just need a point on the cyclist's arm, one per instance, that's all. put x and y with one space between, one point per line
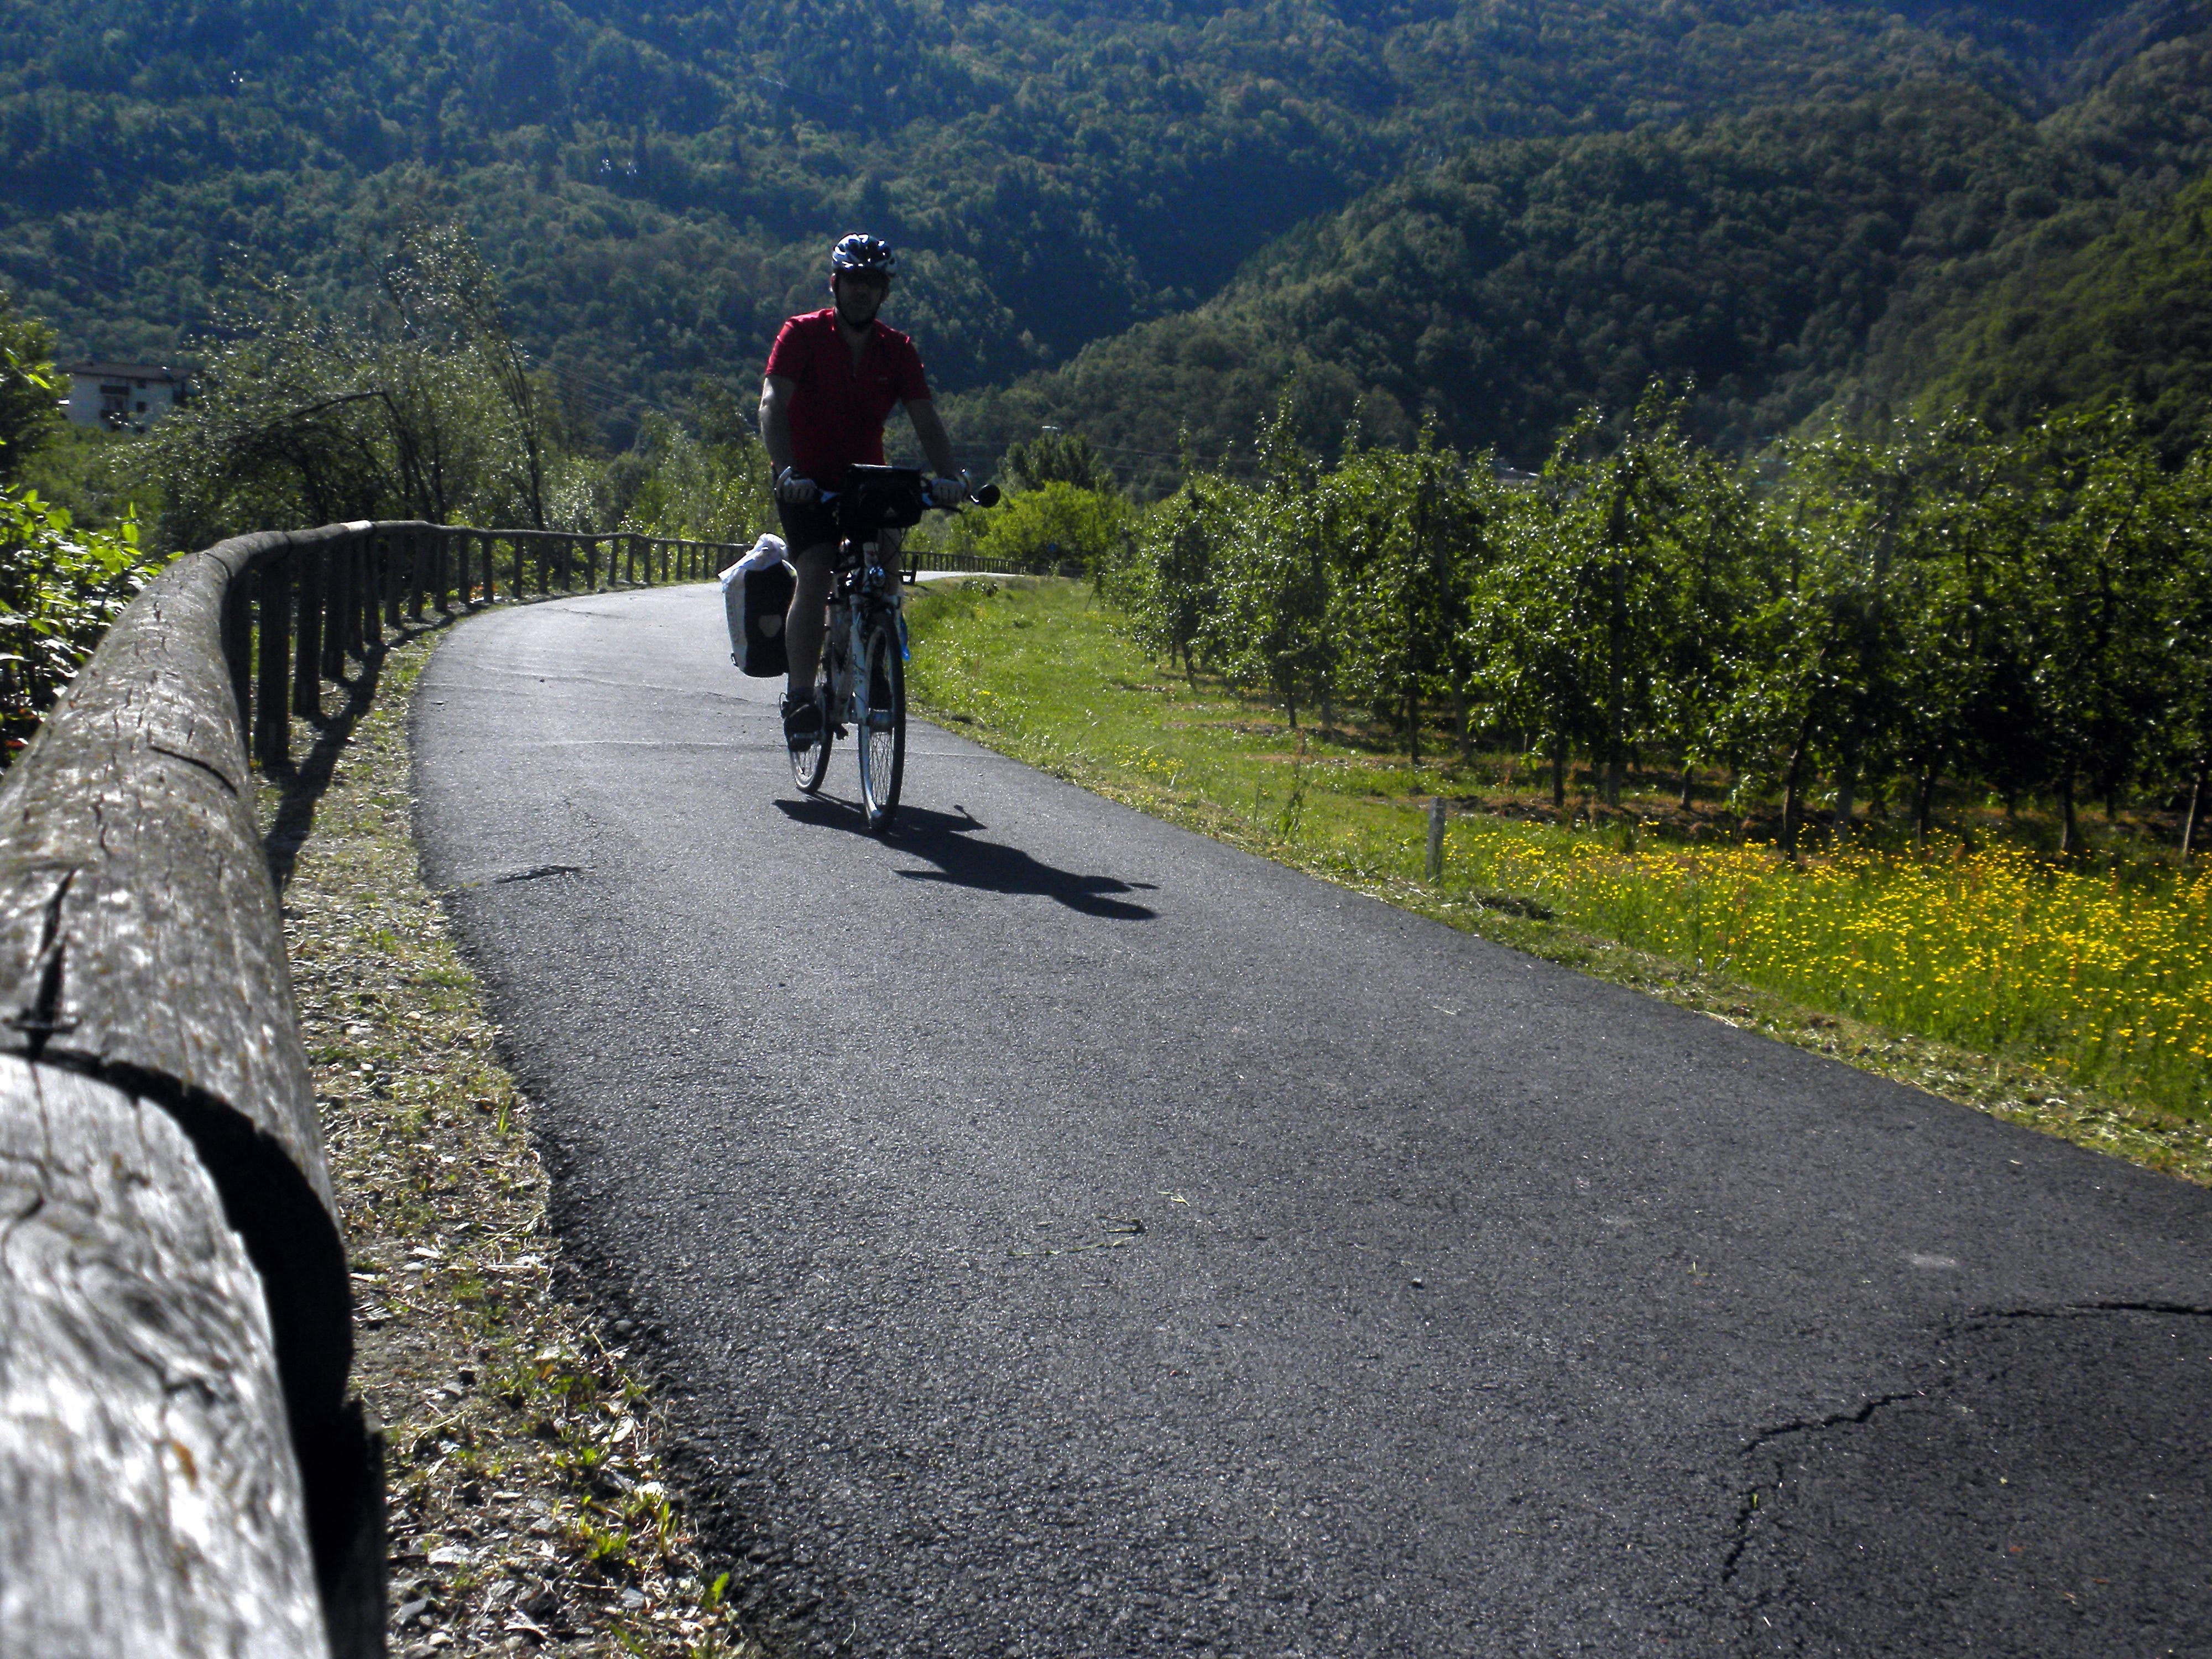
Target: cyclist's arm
775 421
935 443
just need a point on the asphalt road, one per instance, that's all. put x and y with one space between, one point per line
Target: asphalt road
1064 1235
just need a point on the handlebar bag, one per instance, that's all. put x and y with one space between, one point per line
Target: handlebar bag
754 602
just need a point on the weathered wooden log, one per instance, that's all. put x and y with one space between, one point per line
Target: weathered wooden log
141 947
150 1502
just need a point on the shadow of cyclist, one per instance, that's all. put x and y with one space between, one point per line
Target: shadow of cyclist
948 843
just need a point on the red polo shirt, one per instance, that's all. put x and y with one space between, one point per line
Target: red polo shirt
837 414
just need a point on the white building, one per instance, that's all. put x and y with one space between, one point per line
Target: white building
121 396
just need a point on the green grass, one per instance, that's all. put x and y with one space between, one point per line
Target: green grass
2072 998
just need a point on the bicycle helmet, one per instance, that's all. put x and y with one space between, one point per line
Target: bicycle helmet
862 252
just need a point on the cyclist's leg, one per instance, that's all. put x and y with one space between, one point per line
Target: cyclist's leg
810 530
807 620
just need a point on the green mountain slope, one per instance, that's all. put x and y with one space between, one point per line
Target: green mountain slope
1761 256
658 184
2129 315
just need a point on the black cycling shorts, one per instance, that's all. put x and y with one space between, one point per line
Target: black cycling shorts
806 524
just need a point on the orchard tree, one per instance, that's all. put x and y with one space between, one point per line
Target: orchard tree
1411 530
1272 579
2097 554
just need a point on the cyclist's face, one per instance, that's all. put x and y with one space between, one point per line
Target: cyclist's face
859 294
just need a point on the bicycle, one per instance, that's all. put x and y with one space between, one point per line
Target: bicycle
863 651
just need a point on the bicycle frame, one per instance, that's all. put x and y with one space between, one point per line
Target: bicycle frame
864 646
862 592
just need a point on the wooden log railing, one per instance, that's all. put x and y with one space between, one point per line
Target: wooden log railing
182 1471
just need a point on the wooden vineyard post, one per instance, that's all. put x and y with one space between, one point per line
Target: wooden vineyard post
1436 838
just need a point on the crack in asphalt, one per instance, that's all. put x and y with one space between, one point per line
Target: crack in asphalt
1748 1504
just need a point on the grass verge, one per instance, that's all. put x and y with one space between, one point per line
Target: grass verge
530 1507
1035 668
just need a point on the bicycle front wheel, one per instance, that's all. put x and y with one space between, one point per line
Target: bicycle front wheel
810 763
883 724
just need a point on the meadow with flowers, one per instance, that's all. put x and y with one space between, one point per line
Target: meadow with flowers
2100 975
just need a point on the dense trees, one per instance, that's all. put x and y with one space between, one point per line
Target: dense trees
2128 315
29 385
418 406
60 585
656 186
1874 615
1910 248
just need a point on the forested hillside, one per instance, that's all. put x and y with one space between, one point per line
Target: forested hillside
656 186
1931 240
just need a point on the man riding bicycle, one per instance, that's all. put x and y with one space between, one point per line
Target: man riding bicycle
833 377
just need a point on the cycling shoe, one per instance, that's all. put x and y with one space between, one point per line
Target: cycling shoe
802 720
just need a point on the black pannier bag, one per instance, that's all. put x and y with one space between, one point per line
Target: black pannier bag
756 601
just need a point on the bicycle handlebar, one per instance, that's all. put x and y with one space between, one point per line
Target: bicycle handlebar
981 495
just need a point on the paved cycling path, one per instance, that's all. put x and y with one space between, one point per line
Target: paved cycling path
1070 1236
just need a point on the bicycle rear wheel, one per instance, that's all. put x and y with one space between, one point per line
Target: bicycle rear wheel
883 724
810 763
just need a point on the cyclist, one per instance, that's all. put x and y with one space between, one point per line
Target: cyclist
833 377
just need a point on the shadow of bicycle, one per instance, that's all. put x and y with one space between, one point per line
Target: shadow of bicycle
989 866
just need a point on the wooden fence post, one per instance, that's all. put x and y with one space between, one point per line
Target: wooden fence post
1436 838
337 610
308 665
273 648
368 623
237 650
390 547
